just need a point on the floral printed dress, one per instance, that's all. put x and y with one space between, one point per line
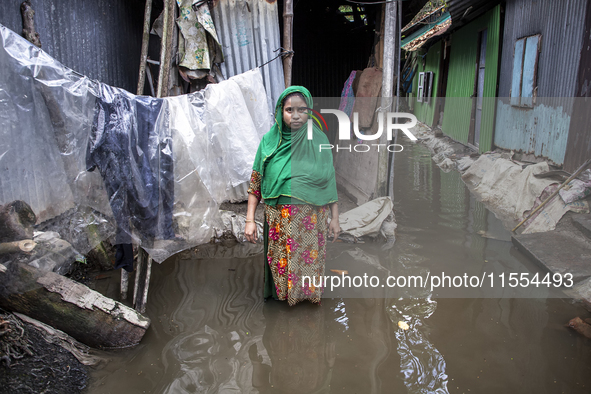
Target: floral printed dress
295 247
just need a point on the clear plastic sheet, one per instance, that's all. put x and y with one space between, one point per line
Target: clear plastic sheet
160 167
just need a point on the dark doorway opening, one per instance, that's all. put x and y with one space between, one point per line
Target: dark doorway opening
330 39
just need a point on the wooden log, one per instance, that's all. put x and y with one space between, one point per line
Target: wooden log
83 353
17 246
16 221
71 307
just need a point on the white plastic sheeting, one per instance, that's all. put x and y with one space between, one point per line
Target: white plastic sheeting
46 116
366 219
502 183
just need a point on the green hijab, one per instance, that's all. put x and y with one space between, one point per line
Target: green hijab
293 168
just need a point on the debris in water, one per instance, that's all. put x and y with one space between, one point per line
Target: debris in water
404 325
580 326
340 272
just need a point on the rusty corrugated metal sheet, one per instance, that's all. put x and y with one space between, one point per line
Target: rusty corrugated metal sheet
461 79
249 34
542 130
100 39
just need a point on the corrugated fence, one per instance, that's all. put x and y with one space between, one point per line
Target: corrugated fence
249 34
100 39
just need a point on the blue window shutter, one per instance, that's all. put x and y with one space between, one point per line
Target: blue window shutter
529 68
517 72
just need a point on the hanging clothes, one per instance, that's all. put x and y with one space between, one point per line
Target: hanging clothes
200 46
131 145
347 95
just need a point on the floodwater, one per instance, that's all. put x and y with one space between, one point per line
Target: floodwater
212 333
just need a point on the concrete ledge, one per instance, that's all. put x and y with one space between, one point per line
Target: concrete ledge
557 252
583 223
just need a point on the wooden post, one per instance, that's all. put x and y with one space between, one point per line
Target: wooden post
142 281
173 78
138 273
124 283
287 40
145 42
388 65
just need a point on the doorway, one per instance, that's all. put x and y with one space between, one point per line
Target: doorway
476 119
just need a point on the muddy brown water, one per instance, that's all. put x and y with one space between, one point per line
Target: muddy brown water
213 333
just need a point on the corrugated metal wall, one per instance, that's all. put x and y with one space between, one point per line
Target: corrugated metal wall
460 83
100 39
249 34
578 148
423 111
561 24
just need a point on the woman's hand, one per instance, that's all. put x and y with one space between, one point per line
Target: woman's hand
250 230
334 228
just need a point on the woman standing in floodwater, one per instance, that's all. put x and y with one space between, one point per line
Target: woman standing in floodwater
297 183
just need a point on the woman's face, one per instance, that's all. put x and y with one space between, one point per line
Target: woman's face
295 112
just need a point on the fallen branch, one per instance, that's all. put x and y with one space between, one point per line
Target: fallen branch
29 24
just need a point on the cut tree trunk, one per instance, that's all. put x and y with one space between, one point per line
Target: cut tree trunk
16 221
69 306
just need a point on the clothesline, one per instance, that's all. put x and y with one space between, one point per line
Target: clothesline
284 53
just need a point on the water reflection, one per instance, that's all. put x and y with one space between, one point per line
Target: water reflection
422 365
212 333
300 350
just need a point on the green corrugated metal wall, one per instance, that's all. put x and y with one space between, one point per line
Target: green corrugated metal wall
423 111
460 83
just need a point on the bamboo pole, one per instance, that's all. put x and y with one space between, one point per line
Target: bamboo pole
165 49
145 42
17 246
287 40
546 201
